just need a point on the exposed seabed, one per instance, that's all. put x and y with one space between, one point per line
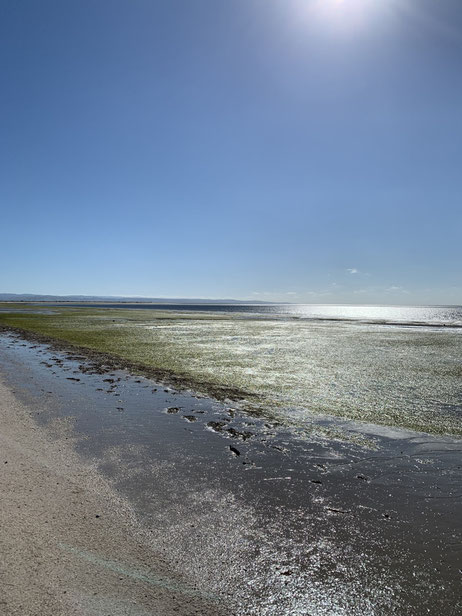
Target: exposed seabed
271 521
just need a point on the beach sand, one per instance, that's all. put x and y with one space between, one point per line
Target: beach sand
68 544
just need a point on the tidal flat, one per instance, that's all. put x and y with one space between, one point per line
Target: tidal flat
237 509
291 370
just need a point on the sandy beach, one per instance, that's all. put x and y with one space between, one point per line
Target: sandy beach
68 542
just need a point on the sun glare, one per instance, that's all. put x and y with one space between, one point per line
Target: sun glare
341 14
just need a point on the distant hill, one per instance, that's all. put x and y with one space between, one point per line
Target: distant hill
26 297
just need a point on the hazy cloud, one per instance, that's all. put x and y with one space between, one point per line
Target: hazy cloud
395 289
318 293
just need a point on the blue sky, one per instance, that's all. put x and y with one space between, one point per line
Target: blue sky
298 150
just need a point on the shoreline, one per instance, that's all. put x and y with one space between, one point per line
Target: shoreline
70 544
255 527
107 362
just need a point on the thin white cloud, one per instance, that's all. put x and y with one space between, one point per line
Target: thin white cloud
318 293
381 291
352 270
395 289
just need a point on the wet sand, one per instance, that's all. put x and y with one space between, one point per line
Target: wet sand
68 543
202 506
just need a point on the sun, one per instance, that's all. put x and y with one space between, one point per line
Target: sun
346 5
342 14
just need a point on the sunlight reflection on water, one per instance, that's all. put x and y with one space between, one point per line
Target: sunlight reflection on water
402 376
411 315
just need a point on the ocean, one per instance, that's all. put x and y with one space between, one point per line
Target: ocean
445 316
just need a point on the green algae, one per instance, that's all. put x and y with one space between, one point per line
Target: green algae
287 370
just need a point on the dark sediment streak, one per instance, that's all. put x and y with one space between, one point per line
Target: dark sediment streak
106 362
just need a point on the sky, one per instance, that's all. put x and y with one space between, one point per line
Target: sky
287 150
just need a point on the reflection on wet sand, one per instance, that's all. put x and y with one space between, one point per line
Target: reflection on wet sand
274 521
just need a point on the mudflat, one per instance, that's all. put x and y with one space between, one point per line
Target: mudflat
406 376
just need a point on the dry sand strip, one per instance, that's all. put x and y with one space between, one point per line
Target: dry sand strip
68 543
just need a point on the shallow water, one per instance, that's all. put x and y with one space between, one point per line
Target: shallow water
445 316
410 377
333 360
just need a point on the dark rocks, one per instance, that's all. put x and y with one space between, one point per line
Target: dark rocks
237 434
279 448
216 426
336 510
